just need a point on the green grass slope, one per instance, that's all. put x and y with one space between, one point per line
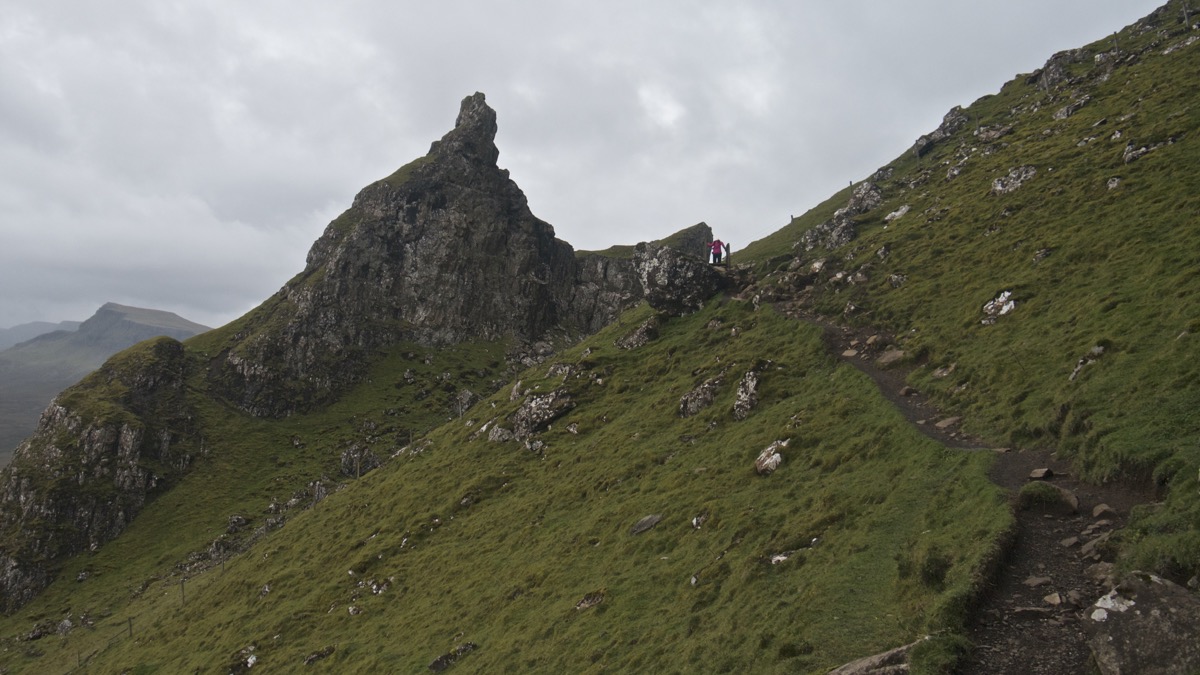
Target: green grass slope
1100 250
459 539
868 536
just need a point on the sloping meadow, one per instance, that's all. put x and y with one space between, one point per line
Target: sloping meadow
519 554
1041 262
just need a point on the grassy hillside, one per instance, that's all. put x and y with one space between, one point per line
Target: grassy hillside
520 556
1099 249
460 539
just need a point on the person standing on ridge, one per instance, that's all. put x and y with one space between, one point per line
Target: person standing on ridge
717 247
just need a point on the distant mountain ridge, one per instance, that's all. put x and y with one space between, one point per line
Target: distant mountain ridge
27 331
33 371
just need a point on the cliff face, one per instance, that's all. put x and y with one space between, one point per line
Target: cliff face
100 451
444 250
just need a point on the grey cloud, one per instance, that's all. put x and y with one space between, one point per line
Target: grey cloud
185 155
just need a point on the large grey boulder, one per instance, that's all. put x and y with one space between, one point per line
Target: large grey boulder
1146 625
676 283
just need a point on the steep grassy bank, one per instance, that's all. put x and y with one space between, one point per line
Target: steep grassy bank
1098 248
460 539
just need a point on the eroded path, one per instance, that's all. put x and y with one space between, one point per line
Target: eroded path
1032 618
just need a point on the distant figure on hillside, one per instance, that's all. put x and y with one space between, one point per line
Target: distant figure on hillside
717 247
727 254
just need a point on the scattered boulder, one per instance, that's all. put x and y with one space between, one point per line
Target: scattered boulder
1001 305
463 400
590 600
1134 152
1072 108
1041 494
953 121
499 434
699 398
948 423
640 336
1093 548
318 655
891 662
646 523
896 215
993 133
890 358
1015 179
243 660
448 659
770 458
1056 72
1145 625
840 230
538 411
747 395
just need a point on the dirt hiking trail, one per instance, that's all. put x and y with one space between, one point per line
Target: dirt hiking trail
1030 618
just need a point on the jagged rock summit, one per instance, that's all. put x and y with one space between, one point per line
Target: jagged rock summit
443 251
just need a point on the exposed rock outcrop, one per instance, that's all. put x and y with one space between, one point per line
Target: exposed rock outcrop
101 451
538 411
640 336
770 458
442 251
700 397
839 230
673 282
954 120
747 395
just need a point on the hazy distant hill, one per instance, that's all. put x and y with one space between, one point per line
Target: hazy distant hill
54 356
28 331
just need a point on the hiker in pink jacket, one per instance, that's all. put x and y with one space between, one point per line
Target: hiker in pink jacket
717 247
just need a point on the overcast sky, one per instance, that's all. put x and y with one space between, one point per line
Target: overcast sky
184 155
